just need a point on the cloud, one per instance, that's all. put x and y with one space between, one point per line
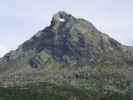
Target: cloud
3 50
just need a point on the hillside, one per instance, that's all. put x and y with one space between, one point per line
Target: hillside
70 51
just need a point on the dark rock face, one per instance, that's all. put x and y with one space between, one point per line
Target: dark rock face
35 63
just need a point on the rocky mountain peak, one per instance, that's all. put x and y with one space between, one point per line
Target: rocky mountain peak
69 50
59 18
69 37
61 15
63 19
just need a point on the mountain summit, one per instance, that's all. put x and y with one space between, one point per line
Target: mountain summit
72 39
70 51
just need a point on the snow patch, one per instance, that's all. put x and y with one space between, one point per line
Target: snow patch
62 20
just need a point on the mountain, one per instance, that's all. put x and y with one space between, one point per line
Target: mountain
69 55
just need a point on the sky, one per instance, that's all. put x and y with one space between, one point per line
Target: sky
21 19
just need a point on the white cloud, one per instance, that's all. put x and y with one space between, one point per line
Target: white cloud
3 50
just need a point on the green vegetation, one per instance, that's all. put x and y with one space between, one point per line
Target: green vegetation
46 91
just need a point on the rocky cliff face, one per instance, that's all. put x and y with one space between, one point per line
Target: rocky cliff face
70 50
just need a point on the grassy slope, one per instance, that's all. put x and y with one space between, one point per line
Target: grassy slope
46 91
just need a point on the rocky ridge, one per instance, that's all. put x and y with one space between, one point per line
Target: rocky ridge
70 51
